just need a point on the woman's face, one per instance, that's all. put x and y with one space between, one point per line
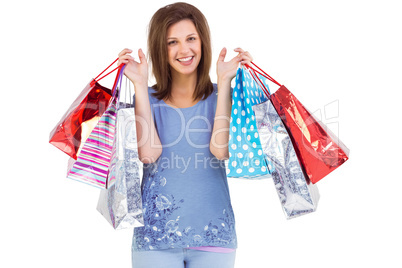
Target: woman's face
184 47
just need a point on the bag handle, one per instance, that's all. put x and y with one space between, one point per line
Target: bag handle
259 82
97 79
258 71
119 78
129 95
261 72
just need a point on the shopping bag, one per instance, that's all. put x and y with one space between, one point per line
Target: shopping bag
246 158
73 128
298 196
317 148
92 164
121 202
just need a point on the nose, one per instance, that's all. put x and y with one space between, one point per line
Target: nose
184 48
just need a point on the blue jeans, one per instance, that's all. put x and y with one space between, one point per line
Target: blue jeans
182 258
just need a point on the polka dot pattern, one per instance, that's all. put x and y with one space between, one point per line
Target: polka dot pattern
246 158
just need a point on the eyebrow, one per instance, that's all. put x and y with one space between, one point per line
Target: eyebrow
186 36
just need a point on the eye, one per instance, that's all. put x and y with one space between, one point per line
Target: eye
192 38
172 42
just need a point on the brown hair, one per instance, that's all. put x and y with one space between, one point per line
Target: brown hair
157 48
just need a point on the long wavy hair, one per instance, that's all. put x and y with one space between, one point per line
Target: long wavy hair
158 51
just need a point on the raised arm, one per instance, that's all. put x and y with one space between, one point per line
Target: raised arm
226 71
149 145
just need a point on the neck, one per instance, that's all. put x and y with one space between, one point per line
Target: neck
183 85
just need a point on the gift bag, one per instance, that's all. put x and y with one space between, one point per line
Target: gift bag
297 195
92 164
319 151
121 203
71 131
246 158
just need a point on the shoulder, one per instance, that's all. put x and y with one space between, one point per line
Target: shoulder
152 98
214 94
215 90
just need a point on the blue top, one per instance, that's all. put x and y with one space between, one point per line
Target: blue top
185 193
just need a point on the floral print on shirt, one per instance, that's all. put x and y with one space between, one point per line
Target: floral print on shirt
161 231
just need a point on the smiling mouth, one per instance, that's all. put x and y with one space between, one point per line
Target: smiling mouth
186 59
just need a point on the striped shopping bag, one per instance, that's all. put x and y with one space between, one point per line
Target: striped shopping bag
92 164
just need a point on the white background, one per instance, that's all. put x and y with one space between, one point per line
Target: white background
326 52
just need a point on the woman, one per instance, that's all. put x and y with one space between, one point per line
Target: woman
182 133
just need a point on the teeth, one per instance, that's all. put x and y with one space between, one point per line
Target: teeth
185 59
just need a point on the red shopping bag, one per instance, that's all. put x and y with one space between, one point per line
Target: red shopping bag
318 149
92 102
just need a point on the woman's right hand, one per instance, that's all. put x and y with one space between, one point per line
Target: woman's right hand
137 72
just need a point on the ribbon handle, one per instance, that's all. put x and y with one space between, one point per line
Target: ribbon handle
119 78
97 79
258 71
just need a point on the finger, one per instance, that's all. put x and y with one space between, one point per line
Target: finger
222 55
248 55
244 62
245 57
122 56
239 50
236 59
125 51
141 56
242 52
125 59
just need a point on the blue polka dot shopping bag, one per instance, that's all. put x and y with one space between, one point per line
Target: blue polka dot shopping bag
246 157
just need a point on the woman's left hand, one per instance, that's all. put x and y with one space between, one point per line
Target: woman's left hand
227 70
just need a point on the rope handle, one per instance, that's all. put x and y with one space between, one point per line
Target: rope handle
119 78
129 95
261 72
258 71
259 82
97 79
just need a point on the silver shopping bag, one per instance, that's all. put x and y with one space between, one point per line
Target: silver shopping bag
121 202
297 195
